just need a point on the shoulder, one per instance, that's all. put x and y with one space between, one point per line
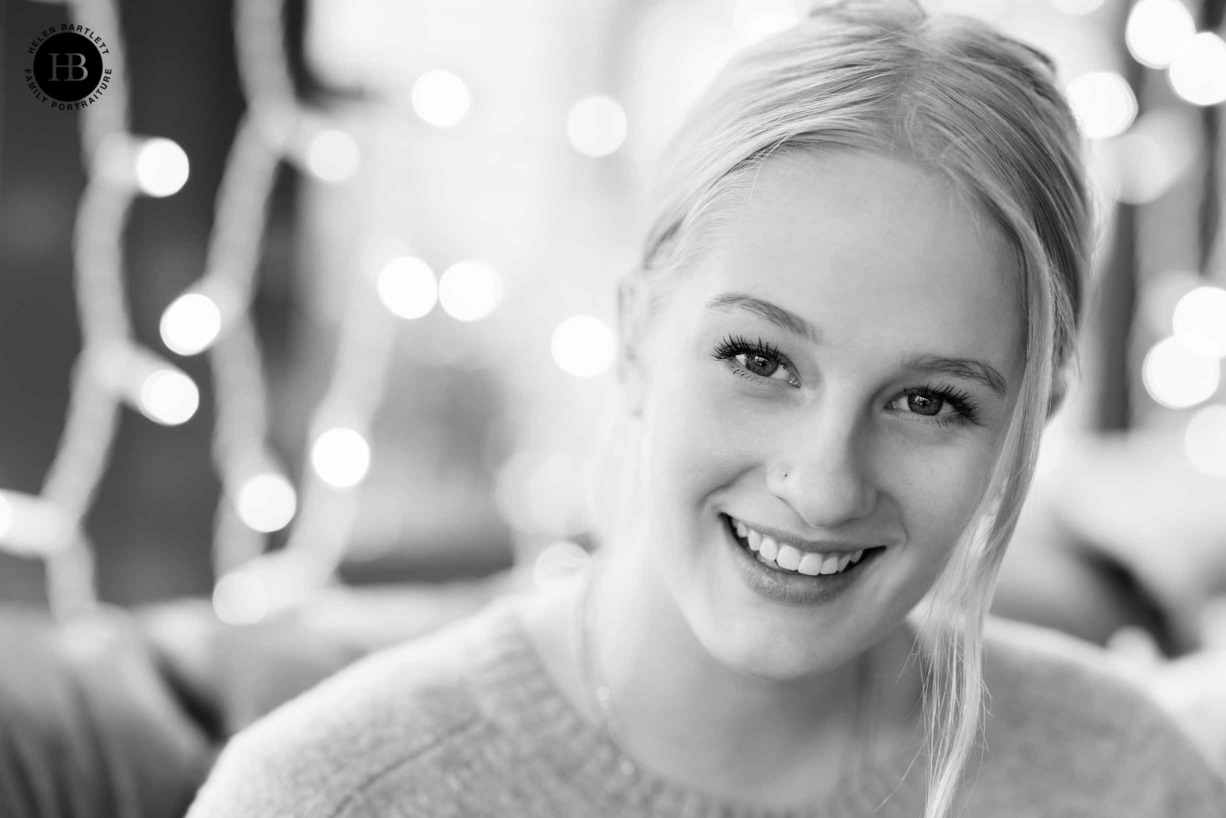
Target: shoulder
1063 723
1047 672
384 715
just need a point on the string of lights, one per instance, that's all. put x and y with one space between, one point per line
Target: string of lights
111 366
213 314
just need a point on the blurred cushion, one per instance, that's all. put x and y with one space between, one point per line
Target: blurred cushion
87 726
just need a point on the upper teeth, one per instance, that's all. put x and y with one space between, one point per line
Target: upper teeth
790 558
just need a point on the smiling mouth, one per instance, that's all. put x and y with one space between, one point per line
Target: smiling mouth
788 559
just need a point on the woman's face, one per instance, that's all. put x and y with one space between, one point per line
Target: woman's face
857 329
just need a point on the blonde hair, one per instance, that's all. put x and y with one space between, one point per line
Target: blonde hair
980 109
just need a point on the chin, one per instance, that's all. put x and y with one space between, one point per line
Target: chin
758 650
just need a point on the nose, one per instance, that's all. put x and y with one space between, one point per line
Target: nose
825 471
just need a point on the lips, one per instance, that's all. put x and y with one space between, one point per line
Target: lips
795 573
788 557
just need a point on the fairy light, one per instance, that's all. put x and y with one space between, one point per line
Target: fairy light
1199 321
341 457
266 585
1178 376
92 418
1205 441
441 98
333 155
1198 70
470 290
1156 30
190 324
240 598
596 126
33 526
211 314
161 167
583 346
1103 103
266 502
407 287
169 397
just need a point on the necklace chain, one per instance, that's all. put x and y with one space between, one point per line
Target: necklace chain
595 684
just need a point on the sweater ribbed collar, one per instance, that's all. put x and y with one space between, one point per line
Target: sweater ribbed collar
516 691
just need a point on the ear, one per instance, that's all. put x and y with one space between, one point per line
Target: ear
631 322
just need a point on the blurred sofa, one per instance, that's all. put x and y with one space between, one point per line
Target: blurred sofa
121 715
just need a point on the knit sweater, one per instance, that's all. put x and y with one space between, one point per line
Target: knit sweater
469 722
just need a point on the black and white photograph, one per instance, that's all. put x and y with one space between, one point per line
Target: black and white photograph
613 409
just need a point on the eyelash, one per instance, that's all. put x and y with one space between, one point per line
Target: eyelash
965 409
734 345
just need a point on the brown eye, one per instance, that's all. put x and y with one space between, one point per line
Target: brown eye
922 404
759 364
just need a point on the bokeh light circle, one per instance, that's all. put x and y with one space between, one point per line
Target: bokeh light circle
341 457
333 156
1156 30
583 346
190 324
407 287
441 98
168 397
1178 376
596 126
1199 320
266 502
1198 71
1102 102
240 598
161 167
470 290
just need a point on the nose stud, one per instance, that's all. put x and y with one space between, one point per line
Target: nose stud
785 475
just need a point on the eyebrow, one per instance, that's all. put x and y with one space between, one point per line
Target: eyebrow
969 369
785 320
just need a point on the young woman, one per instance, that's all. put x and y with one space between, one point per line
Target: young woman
856 303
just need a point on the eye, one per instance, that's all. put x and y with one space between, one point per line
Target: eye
758 364
943 405
922 404
756 359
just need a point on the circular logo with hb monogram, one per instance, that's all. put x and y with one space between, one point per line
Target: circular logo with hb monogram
68 71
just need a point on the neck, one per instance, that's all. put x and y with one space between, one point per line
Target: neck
674 706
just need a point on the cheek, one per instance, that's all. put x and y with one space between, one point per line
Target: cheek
696 443
938 493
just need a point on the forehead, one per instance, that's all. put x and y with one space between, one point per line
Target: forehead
849 240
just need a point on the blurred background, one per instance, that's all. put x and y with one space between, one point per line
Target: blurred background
326 288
